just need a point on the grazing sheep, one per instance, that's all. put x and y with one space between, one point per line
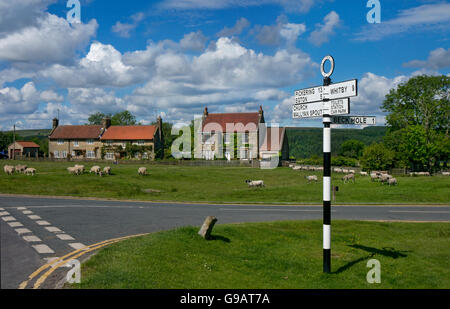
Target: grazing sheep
352 171
95 169
30 171
338 170
21 168
142 171
81 168
364 173
255 183
74 170
107 170
392 181
384 178
311 178
374 177
9 169
348 177
297 168
445 173
345 171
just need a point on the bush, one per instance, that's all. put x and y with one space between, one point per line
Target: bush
344 161
377 157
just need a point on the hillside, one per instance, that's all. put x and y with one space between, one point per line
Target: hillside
307 142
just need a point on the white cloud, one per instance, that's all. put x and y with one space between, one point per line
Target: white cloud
422 18
124 29
237 29
438 59
95 99
51 40
51 96
292 31
194 41
323 31
282 30
19 101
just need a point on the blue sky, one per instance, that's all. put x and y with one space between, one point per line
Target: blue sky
173 58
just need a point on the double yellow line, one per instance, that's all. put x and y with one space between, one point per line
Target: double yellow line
55 264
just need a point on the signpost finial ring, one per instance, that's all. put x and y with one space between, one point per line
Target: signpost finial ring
322 66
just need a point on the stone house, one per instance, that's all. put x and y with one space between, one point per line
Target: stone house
145 141
274 143
229 135
76 141
22 148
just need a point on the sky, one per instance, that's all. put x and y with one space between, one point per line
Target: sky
175 57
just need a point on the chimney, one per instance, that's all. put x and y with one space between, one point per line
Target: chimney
55 123
159 125
261 114
106 123
205 113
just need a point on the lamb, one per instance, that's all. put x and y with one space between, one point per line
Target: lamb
311 178
392 181
21 168
107 170
255 183
30 171
348 177
81 168
9 169
95 169
74 170
142 171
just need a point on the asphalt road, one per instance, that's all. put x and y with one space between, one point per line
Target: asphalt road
35 229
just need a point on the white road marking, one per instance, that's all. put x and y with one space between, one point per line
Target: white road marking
7 219
31 238
43 222
53 229
420 211
23 231
77 245
34 217
15 224
43 249
4 213
27 212
1 209
65 237
280 210
21 208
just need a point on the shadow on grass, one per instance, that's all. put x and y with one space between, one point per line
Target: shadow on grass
386 251
221 238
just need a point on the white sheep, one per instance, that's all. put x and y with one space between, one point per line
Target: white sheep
311 178
95 169
30 171
9 169
392 181
255 183
21 168
364 173
74 170
445 173
142 171
107 170
81 168
348 177
384 178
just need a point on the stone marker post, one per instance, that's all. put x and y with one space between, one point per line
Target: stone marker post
207 227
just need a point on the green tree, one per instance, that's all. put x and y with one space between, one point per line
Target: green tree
124 118
377 157
352 149
423 102
97 118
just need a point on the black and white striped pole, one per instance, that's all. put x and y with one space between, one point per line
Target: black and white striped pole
327 171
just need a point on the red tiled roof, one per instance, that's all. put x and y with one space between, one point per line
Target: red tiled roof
28 144
128 133
267 144
231 118
77 132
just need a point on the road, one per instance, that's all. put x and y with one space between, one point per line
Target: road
33 230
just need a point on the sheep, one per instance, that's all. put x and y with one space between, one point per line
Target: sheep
255 183
107 170
392 181
21 168
74 170
297 168
445 173
311 178
384 178
352 171
30 171
345 171
95 169
9 169
338 170
81 168
142 171
364 173
348 177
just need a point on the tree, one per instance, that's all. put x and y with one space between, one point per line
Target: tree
377 157
418 120
97 118
352 149
124 118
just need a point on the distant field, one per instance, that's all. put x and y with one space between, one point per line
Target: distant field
278 255
218 184
33 133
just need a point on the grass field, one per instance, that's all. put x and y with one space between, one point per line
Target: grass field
218 184
280 255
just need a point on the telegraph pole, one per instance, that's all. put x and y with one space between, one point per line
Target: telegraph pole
14 142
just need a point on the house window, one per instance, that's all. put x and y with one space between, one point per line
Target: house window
208 138
108 143
109 156
145 155
56 154
140 143
90 141
60 142
90 154
75 144
64 154
245 138
227 138
73 154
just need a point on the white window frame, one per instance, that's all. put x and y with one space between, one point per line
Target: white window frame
90 154
90 141
141 143
64 154
227 138
76 144
60 142
110 156
56 154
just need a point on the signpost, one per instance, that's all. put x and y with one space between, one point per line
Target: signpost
328 101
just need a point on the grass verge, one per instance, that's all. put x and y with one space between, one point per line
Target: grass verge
279 255
219 184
